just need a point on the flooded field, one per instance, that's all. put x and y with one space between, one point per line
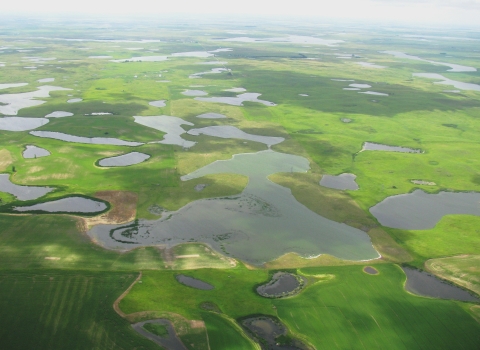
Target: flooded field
22 193
263 215
232 132
425 284
344 181
193 282
420 211
34 152
66 205
80 139
124 160
172 126
370 146
238 100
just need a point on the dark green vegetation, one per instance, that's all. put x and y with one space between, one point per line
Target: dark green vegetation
157 329
57 287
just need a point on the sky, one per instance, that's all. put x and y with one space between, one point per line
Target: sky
420 12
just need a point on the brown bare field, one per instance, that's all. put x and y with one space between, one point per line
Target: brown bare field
5 159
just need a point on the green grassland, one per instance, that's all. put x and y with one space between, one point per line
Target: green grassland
58 287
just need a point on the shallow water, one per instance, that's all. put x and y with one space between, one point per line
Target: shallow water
21 124
423 283
370 146
59 114
360 86
74 100
22 193
445 81
142 59
351 89
99 57
239 89
159 103
370 65
211 116
373 93
212 71
124 159
419 210
15 102
453 67
214 63
8 86
46 80
268 329
344 181
35 152
199 54
232 132
295 39
193 282
80 139
172 342
370 270
171 126
238 100
262 223
282 282
67 205
342 80
194 93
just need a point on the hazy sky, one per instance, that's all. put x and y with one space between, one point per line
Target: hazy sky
463 12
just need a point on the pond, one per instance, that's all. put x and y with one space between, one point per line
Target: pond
238 100
198 54
14 85
75 100
194 93
425 284
34 152
262 223
46 80
159 103
282 284
453 67
124 159
419 210
267 330
239 89
10 104
170 342
171 126
59 114
23 193
193 282
446 81
232 132
21 124
371 146
211 116
212 71
343 181
373 93
80 139
360 86
370 270
370 65
66 205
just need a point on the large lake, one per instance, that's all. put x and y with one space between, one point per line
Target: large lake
262 223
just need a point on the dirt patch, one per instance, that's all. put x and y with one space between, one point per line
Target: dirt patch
119 299
197 324
187 256
48 177
124 209
5 159
35 169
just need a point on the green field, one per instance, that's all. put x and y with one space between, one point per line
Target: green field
58 286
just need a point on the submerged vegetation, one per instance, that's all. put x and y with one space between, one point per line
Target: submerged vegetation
314 106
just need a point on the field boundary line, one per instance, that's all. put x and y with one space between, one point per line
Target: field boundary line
119 299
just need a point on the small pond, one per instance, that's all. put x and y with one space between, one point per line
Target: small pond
75 100
23 193
211 116
67 205
46 80
343 181
159 103
214 63
238 100
360 86
198 54
14 85
100 57
124 159
371 146
425 284
294 39
351 89
171 126
170 342
199 187
194 93
266 329
193 282
373 93
420 210
282 284
370 65
370 270
232 132
21 124
236 90
212 71
34 152
446 81
59 114
80 139
142 59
